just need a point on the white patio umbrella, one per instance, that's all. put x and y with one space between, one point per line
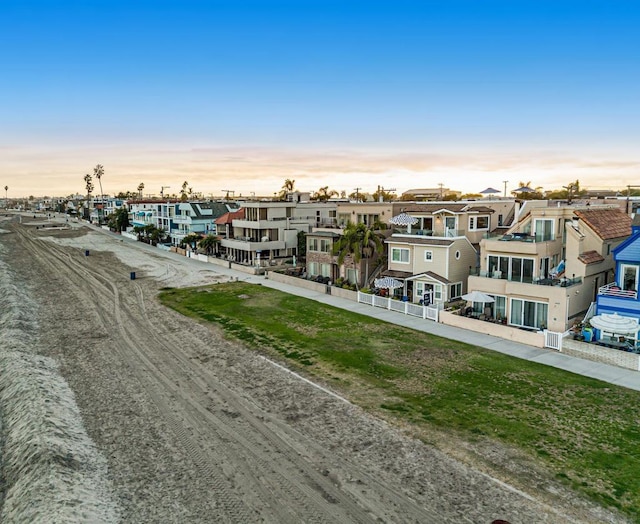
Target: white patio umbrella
616 324
403 219
387 283
478 296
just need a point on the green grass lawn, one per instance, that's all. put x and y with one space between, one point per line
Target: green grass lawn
586 432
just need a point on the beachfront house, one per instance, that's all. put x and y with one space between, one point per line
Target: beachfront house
621 295
547 269
197 217
268 231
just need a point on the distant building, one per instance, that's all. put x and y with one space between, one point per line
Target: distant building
437 193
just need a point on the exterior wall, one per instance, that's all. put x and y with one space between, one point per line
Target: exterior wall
595 353
458 270
420 265
489 328
516 248
628 307
564 303
317 214
384 210
401 266
314 286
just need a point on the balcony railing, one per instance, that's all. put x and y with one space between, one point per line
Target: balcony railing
538 281
614 290
448 233
519 237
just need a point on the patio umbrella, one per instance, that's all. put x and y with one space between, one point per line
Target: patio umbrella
387 283
524 189
614 323
403 219
478 296
489 191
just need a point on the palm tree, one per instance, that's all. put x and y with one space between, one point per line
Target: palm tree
157 235
140 188
209 244
358 242
183 191
324 193
98 171
119 220
88 184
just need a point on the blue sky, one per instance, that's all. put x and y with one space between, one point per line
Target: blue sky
403 94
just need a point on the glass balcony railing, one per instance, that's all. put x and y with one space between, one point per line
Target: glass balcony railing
519 237
448 233
525 279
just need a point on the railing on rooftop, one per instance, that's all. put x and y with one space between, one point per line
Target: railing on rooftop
614 290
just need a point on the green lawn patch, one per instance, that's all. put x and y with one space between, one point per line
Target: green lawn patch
585 432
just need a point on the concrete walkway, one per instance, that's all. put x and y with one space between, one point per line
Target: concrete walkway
607 373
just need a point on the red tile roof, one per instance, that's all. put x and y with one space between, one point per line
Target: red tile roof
606 223
590 257
229 217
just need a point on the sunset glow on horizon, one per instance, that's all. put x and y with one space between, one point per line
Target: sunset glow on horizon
243 95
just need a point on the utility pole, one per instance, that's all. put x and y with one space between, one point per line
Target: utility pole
229 191
357 189
505 182
382 190
440 185
162 190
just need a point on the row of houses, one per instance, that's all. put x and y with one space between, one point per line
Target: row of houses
543 263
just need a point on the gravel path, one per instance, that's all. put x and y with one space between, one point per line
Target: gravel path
195 428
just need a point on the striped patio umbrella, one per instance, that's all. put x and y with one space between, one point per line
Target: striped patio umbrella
403 220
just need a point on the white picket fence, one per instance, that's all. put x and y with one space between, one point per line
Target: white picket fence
407 308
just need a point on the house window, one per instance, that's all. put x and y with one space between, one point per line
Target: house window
543 229
511 268
429 292
426 224
313 268
457 255
319 245
428 256
325 270
352 276
455 290
500 219
629 277
399 254
500 307
344 219
526 313
479 223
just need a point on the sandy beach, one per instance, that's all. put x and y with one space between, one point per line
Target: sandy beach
116 409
